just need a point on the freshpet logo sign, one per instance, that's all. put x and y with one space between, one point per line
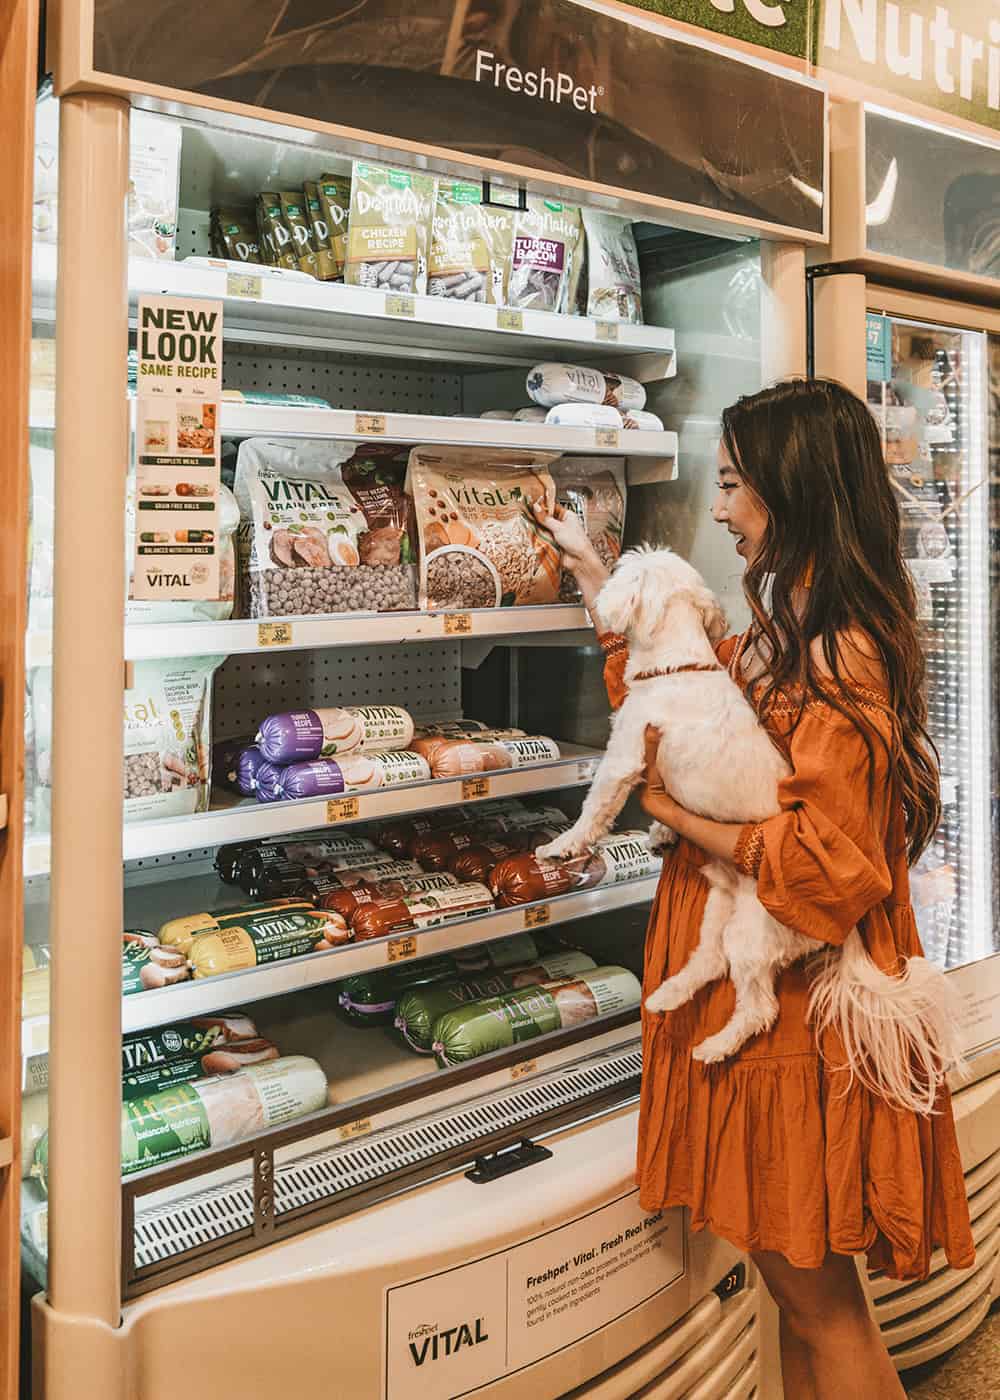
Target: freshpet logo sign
556 88
428 1344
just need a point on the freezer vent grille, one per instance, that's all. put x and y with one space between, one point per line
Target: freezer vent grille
203 1217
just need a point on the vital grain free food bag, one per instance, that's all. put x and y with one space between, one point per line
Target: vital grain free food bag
614 288
480 545
501 1021
335 201
593 488
168 741
546 257
460 264
388 232
317 534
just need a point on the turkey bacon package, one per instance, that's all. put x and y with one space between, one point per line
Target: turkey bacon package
480 545
547 256
324 528
168 744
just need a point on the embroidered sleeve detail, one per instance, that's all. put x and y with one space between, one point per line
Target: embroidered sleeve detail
612 643
749 850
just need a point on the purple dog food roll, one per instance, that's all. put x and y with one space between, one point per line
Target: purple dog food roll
269 783
290 736
294 736
321 778
248 761
225 757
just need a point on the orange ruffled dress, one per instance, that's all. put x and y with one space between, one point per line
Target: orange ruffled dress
767 1149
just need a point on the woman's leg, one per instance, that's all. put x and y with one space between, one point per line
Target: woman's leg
829 1339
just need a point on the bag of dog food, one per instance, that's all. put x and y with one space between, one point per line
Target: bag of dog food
593 488
168 743
275 239
335 201
460 264
296 216
319 533
546 257
480 544
614 288
388 231
326 263
234 236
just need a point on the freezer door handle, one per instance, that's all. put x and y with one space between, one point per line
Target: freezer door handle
494 1165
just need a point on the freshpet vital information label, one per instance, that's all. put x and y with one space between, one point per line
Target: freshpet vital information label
178 392
452 1332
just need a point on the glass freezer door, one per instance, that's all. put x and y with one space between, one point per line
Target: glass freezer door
928 389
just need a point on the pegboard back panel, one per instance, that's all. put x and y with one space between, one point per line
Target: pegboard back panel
344 380
426 678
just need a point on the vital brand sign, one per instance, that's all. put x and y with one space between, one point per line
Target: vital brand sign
610 98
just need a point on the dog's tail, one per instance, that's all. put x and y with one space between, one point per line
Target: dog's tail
900 1033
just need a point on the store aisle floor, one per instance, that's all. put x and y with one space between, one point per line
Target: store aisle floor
970 1372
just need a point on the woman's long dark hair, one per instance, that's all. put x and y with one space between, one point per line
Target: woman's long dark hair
810 450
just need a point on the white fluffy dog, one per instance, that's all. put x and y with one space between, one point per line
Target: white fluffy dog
716 760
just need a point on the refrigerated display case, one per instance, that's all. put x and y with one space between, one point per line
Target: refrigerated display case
906 316
435 1222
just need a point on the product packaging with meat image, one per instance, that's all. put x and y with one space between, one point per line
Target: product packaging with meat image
167 717
388 232
265 937
547 257
461 265
322 530
614 289
234 236
480 544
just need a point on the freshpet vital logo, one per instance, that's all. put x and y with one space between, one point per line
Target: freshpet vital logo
556 88
427 1343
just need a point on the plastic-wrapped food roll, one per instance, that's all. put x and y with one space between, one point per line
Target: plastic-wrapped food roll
249 761
147 965
225 760
480 859
499 1022
409 912
294 735
229 857
500 414
326 882
551 384
642 421
267 937
184 1068
369 999
328 777
347 902
179 932
268 787
313 853
534 414
483 753
420 1007
153 1047
525 878
439 849
584 415
400 837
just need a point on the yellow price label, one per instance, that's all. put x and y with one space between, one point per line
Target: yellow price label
605 437
525 1067
508 320
371 424
241 284
605 330
274 634
537 914
342 809
396 305
399 948
475 788
358 1128
457 624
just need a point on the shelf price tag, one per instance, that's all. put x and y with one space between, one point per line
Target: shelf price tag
457 624
525 1067
508 320
475 788
358 1128
241 284
536 915
342 809
371 424
605 437
397 305
399 948
274 634
605 330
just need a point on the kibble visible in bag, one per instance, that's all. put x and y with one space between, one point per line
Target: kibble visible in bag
388 232
546 256
167 717
614 288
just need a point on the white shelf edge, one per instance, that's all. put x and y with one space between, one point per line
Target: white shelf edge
247 821
210 994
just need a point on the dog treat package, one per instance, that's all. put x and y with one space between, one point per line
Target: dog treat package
546 257
594 489
334 193
479 1027
525 878
296 217
389 228
292 735
234 236
460 265
318 532
614 288
277 244
552 384
326 263
480 545
167 716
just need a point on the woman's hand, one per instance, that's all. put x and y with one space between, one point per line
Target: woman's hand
715 838
578 553
654 799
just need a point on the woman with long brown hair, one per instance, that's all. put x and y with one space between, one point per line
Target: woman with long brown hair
782 1150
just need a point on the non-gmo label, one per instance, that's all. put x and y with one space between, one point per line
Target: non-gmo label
457 624
605 437
342 809
399 948
242 284
396 305
536 915
605 330
371 424
508 320
358 1128
274 634
475 788
525 1067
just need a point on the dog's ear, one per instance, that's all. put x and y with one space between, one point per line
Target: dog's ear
619 600
712 616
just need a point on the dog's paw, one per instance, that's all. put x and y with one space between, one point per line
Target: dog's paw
715 1049
661 838
560 849
667 997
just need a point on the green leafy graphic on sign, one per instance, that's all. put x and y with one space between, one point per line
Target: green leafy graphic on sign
784 27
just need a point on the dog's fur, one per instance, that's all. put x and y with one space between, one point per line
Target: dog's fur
716 760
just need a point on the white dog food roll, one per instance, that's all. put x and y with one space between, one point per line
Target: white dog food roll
584 415
643 421
530 415
552 384
503 414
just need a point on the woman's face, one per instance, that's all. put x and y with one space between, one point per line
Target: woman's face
739 509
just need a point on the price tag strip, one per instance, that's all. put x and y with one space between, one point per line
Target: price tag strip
274 634
536 915
370 424
474 789
242 284
508 320
457 624
342 809
399 948
358 1128
398 305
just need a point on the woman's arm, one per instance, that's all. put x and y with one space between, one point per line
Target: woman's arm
578 554
717 839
